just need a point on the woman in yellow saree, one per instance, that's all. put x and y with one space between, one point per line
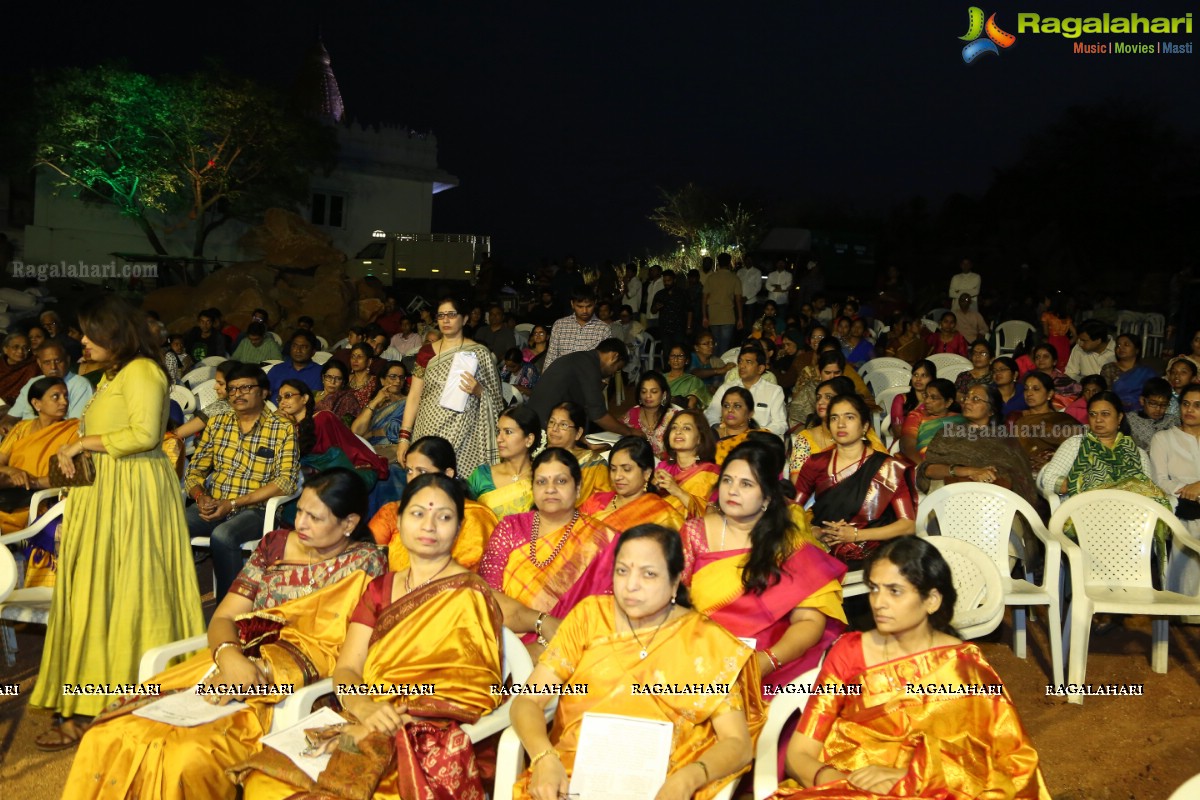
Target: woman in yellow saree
630 467
26 450
566 428
737 420
644 635
282 622
434 454
754 568
688 475
870 737
538 562
507 487
434 623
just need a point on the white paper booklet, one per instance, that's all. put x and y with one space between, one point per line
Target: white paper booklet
621 758
186 710
291 742
453 397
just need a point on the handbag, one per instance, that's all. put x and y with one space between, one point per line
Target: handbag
85 472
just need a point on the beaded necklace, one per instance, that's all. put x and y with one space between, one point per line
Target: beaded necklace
533 539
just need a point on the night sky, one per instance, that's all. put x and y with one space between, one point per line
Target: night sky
561 120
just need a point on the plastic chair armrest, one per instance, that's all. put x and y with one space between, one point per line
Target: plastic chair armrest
155 659
295 708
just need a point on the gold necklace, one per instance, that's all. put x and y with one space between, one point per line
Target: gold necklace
645 648
408 587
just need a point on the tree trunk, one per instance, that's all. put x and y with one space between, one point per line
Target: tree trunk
202 232
151 235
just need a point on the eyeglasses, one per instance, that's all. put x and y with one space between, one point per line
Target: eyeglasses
288 396
674 356
393 377
1157 403
333 379
971 398
447 315
558 426
234 391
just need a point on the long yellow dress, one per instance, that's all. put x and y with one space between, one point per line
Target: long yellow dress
126 581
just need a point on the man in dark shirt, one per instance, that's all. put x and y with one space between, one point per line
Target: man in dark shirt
205 340
300 364
496 335
673 311
545 312
580 377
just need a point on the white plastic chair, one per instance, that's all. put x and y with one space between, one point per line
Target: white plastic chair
883 417
1111 569
882 378
213 361
948 363
730 356
198 376
766 751
269 515
323 343
185 398
1010 334
29 605
206 394
882 361
980 606
930 325
510 395
651 357
276 337
320 357
984 515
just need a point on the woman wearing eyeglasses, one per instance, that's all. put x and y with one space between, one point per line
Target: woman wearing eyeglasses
335 395
565 429
472 431
433 454
379 421
535 560
17 367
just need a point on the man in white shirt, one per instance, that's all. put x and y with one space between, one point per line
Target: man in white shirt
54 362
1093 349
778 284
965 282
769 410
752 284
633 288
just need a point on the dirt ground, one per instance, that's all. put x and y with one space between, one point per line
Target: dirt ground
1111 748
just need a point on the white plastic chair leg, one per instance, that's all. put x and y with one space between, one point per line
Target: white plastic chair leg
1019 633
1159 641
1053 622
1081 631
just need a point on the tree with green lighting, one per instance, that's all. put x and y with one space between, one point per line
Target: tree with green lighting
178 153
104 133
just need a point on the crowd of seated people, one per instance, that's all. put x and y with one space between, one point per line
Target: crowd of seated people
686 539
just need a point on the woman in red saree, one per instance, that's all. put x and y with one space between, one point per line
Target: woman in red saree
630 467
869 737
434 623
538 562
687 476
863 496
752 569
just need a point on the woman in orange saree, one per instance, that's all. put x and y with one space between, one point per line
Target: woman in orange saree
409 744
434 454
630 467
534 560
642 636
287 610
754 569
869 736
26 450
687 476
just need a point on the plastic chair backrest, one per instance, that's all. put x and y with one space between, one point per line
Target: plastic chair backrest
1115 531
1010 334
979 513
321 356
186 400
882 378
517 662
948 361
206 394
8 573
980 605
197 376
883 361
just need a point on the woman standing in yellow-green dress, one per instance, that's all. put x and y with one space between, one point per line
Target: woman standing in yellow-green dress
126 581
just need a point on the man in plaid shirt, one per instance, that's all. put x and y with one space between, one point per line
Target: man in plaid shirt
578 332
245 457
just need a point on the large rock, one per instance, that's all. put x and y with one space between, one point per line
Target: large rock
286 240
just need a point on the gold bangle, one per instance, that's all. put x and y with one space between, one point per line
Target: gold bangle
704 767
217 650
817 774
547 752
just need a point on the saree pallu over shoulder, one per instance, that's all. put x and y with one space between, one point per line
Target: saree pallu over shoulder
543 588
432 757
957 736
473 430
689 650
648 508
123 755
515 498
698 481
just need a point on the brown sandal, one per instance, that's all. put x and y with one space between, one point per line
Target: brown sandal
62 735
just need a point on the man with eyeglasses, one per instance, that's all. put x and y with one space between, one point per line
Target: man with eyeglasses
16 368
300 366
1152 415
54 363
245 457
769 410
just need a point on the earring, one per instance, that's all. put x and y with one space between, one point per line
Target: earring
672 599
764 508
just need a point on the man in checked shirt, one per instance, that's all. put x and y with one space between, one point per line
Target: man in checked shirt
245 457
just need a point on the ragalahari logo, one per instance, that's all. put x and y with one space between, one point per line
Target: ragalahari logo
976 27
